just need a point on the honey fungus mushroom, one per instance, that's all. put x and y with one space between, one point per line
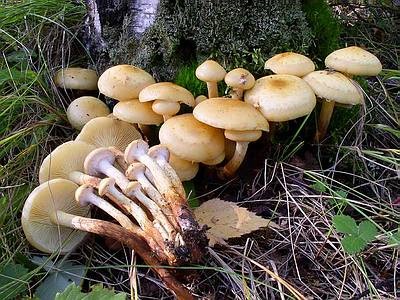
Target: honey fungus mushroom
239 80
332 87
124 82
85 108
290 63
241 121
76 79
211 72
166 98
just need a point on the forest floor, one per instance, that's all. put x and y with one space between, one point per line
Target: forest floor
300 185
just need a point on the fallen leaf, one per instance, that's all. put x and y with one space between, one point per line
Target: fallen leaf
227 220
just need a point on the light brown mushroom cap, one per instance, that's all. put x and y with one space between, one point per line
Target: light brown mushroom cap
166 91
354 61
76 79
240 78
215 161
334 86
83 109
63 160
290 63
137 112
243 136
186 170
210 71
230 114
281 97
190 139
107 132
124 82
200 99
39 210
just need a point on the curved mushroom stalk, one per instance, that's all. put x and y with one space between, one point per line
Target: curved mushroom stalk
242 138
324 119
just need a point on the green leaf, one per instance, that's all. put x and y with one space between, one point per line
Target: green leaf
345 224
394 239
353 244
191 192
318 186
72 292
367 231
12 282
342 194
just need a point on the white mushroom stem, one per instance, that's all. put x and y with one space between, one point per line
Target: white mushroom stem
134 191
85 196
212 88
231 167
136 171
82 178
161 155
119 157
324 119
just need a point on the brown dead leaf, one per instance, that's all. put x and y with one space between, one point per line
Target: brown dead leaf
227 220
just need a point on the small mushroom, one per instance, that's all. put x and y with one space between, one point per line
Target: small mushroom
137 112
76 79
211 72
166 97
354 61
239 80
63 160
290 63
241 121
124 82
192 140
83 109
107 132
332 87
199 99
186 170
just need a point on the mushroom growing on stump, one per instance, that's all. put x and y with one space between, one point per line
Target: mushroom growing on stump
191 140
290 63
354 61
124 82
332 87
241 121
166 98
76 79
51 217
211 72
239 80
83 109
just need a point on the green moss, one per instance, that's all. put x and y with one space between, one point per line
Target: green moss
325 28
186 77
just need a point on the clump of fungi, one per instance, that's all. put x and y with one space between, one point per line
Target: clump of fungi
111 167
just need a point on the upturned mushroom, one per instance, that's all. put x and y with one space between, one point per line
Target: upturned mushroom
241 121
354 61
51 217
239 80
83 109
166 98
124 82
211 72
290 63
281 97
332 87
76 79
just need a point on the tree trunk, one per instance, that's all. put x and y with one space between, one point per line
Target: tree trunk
163 35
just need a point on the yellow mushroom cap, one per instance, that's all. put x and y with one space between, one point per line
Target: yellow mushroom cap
83 109
124 82
190 139
66 158
107 132
334 86
354 61
39 209
210 71
240 78
137 112
185 169
166 91
290 63
76 79
243 136
230 114
281 97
